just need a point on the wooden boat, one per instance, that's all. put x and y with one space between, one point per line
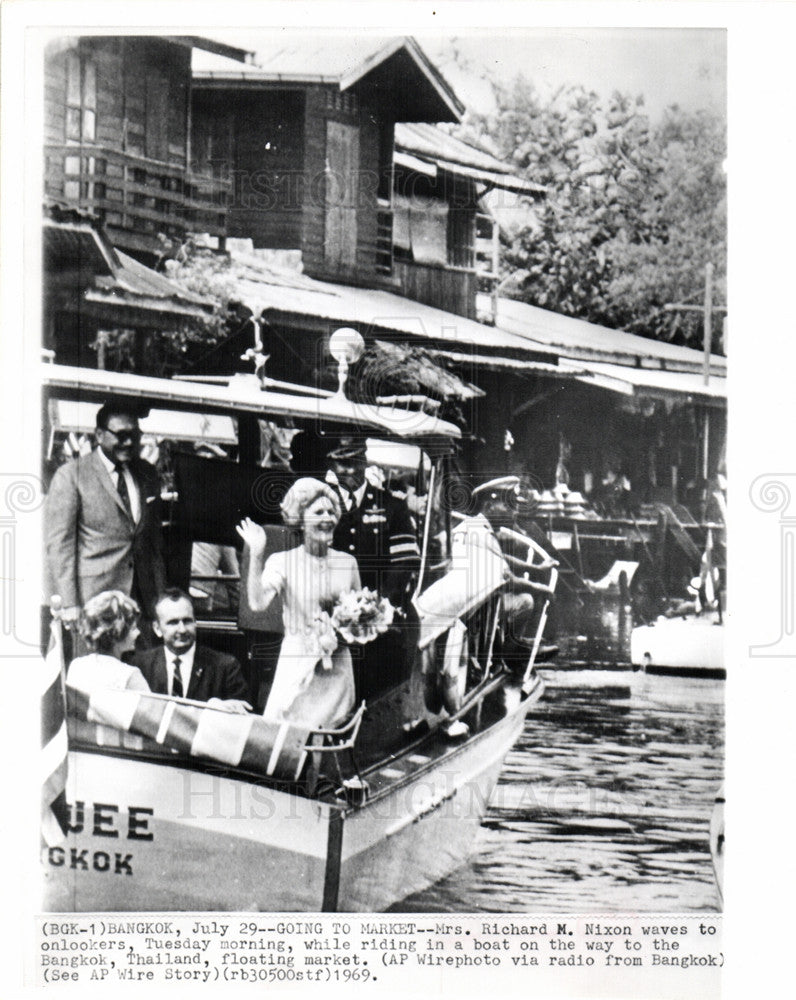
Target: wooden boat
690 646
193 835
176 806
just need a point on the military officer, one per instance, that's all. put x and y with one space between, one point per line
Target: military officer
375 526
379 530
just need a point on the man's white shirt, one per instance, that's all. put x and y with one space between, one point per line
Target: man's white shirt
186 668
132 486
351 500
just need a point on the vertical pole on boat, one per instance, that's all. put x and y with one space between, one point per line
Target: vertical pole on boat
334 854
540 629
432 484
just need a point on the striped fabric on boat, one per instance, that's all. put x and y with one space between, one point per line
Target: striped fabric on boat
54 810
276 749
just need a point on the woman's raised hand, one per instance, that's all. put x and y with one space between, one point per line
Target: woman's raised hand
253 535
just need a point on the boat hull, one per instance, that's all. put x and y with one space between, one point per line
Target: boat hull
216 843
422 831
150 836
688 646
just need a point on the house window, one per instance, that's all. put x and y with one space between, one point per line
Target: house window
420 228
81 98
461 238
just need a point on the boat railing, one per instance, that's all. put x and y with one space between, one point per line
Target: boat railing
337 743
533 549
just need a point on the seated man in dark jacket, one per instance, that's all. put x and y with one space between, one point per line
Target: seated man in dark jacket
183 669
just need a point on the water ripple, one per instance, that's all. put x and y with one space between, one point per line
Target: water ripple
603 804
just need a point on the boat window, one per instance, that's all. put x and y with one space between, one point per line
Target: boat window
215 579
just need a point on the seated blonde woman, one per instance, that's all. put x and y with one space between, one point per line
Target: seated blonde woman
312 684
109 627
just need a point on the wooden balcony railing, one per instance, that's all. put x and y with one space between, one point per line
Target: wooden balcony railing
451 289
134 197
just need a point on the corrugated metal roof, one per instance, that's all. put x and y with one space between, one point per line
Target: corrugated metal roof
413 163
79 245
135 277
497 363
368 308
129 305
455 156
134 286
649 381
119 281
308 58
340 59
578 339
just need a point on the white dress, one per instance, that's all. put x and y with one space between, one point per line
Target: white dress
303 689
97 671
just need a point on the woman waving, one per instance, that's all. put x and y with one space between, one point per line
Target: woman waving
314 680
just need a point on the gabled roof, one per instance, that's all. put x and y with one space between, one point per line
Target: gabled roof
432 145
397 67
212 45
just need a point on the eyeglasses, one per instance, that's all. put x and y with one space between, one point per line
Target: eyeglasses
124 435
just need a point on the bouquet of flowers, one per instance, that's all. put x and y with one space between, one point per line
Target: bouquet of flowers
361 615
358 616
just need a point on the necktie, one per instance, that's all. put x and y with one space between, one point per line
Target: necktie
176 681
121 489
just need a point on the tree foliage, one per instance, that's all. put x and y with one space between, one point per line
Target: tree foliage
633 214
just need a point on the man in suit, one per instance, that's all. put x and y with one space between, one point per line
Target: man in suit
102 520
377 528
181 668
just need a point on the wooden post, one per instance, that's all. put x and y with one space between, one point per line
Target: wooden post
495 270
706 444
707 320
707 334
102 349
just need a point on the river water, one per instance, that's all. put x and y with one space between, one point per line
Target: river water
604 803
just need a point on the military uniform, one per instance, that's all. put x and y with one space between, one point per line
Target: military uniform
378 529
380 533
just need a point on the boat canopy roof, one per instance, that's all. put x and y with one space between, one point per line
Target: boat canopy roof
245 394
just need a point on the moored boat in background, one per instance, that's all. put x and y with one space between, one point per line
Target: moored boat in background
691 646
